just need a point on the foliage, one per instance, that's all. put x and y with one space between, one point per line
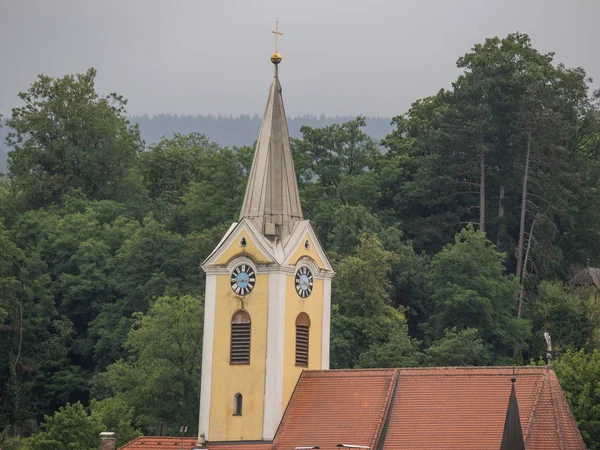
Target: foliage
469 289
67 137
366 330
159 380
331 152
116 416
70 428
578 372
569 315
508 95
460 348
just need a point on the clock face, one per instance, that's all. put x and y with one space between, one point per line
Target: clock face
304 282
243 279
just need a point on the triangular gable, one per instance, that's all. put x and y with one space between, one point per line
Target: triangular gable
294 248
257 247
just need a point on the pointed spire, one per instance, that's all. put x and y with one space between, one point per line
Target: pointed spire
272 200
512 439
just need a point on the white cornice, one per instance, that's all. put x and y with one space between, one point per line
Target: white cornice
268 269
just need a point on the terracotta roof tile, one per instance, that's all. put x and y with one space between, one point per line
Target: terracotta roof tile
333 407
446 408
465 408
160 443
552 421
188 443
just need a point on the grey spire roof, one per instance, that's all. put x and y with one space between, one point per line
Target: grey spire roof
272 201
512 438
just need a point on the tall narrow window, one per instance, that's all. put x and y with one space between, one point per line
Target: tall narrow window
302 329
237 404
240 338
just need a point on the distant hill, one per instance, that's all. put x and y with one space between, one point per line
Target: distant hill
225 131
241 130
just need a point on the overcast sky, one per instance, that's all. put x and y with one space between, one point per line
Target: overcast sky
340 57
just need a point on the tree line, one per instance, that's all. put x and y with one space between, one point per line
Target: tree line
224 130
452 246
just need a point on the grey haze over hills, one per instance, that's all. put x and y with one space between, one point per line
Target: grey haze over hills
212 57
242 130
225 131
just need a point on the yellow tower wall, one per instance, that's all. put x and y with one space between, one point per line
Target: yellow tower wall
313 306
248 380
271 377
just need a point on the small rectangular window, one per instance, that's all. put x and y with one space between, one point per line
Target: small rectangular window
237 404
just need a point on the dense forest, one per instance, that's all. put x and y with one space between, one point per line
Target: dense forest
453 245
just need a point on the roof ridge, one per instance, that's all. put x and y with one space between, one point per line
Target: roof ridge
436 368
140 440
555 413
380 433
536 399
131 442
570 417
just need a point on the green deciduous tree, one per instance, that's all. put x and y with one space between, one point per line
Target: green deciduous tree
34 342
331 152
67 137
579 372
460 348
160 377
569 315
366 330
469 289
151 263
70 428
115 415
187 175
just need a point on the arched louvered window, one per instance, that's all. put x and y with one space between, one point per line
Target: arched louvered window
302 331
237 404
240 338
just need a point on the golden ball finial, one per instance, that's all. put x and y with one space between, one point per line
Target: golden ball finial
276 58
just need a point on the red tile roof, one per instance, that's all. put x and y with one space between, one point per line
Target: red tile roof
187 443
465 408
332 407
160 443
448 408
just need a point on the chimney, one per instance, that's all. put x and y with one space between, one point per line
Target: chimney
108 440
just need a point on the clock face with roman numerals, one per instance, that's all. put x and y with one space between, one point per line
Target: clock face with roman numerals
242 280
304 282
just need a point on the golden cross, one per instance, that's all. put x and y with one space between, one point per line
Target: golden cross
277 33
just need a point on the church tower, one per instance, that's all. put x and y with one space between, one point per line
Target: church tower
268 296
